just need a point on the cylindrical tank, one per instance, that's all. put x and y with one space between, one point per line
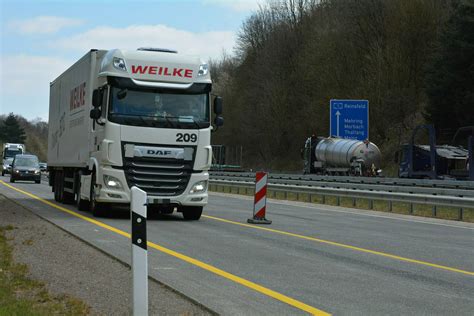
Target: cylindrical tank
338 152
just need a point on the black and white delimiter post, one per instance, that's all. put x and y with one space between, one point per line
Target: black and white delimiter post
139 252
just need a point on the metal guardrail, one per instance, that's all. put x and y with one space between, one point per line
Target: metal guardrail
362 186
370 195
453 184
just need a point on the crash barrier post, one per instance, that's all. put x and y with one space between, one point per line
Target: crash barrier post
138 216
260 201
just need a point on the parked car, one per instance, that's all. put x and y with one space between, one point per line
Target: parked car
43 166
6 167
25 167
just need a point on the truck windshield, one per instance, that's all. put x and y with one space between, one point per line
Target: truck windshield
10 153
159 109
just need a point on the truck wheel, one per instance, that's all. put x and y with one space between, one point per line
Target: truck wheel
57 196
11 180
54 186
58 186
37 181
3 173
95 207
191 213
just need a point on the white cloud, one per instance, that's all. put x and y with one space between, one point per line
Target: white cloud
204 44
24 84
42 24
24 79
24 73
236 5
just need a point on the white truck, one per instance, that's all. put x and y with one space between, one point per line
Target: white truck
140 118
9 152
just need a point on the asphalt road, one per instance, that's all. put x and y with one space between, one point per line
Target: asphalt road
312 258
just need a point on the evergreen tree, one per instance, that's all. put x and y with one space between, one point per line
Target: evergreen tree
450 81
11 131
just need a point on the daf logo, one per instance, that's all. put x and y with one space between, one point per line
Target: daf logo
158 152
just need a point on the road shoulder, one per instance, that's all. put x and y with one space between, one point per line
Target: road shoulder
69 266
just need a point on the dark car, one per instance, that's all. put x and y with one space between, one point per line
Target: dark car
43 166
25 167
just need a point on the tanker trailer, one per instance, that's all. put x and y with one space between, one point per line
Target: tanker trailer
337 156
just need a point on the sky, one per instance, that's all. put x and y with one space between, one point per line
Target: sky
41 38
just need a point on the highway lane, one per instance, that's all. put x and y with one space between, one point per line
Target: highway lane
330 277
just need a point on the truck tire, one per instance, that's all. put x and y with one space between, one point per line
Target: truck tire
54 186
11 180
96 208
60 195
58 188
191 213
3 173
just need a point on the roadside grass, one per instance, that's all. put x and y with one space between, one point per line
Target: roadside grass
442 212
20 295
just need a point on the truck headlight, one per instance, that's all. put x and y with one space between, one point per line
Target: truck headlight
112 182
199 187
37 171
119 64
17 171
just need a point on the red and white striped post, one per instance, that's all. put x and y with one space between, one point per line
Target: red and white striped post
260 201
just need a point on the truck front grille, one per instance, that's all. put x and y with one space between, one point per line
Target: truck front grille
158 177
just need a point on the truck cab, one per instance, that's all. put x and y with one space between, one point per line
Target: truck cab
10 150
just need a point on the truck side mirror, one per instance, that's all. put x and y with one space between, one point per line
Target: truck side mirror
219 121
95 113
218 106
96 98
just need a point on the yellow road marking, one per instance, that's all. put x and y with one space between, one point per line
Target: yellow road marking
332 243
261 289
88 219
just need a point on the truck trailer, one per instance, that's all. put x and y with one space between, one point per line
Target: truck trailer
338 156
433 161
119 119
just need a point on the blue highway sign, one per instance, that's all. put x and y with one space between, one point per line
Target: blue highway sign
349 119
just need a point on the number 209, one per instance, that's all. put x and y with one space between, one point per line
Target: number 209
184 137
